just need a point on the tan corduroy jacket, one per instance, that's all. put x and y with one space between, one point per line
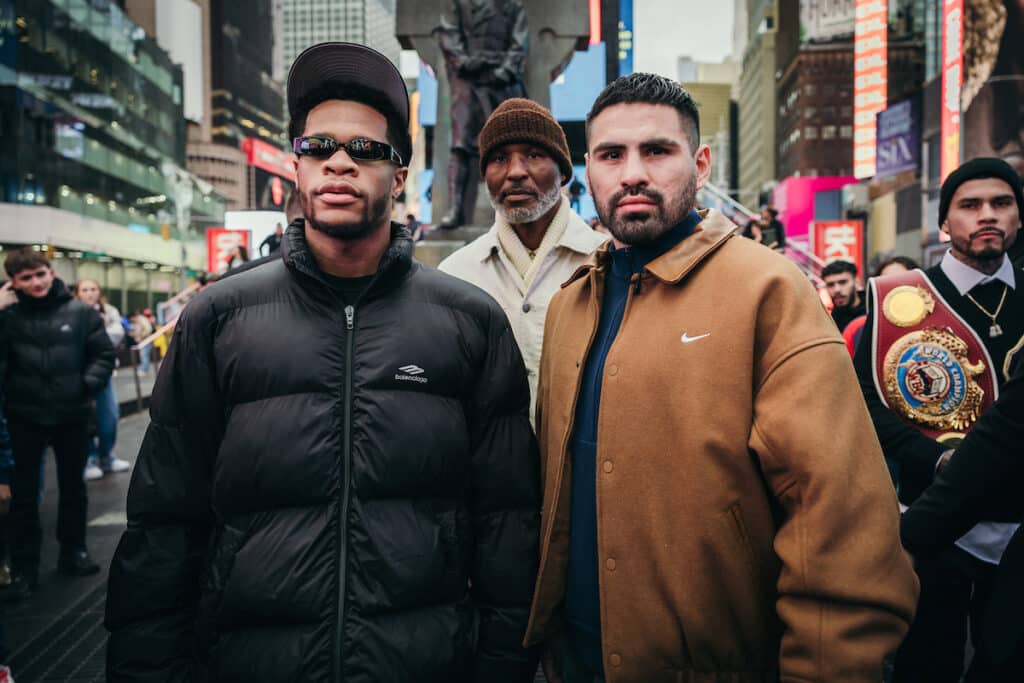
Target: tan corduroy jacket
747 527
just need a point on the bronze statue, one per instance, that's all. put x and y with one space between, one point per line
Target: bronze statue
484 44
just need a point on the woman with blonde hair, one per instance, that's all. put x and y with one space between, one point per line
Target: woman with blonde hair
101 448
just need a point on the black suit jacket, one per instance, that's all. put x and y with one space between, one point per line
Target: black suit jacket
983 481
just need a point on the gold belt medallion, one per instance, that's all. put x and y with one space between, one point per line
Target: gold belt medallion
930 380
906 305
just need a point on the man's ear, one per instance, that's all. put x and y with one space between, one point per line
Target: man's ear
398 184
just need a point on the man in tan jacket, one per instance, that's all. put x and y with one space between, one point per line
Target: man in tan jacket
716 505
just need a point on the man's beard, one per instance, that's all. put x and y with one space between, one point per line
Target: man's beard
980 258
645 227
527 214
375 212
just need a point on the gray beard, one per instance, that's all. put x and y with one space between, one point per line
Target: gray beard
526 214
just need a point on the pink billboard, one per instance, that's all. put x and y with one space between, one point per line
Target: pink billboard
793 198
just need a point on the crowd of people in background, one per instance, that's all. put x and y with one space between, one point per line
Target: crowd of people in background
573 445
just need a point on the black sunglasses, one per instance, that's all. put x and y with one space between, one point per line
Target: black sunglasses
360 149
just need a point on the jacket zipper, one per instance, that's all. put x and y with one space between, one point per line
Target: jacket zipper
350 325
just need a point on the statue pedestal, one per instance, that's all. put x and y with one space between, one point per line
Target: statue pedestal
556 31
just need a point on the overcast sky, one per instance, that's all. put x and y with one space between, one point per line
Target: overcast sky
665 30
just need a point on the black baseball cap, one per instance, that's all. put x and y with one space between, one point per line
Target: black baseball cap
354 65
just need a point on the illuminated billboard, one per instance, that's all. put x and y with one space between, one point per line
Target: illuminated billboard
870 80
952 80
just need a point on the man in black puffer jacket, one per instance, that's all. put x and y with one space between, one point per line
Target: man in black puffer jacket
340 482
55 356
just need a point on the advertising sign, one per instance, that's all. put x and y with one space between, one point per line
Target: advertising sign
825 19
578 86
870 80
899 140
795 200
952 80
625 37
271 191
219 243
257 225
839 241
269 158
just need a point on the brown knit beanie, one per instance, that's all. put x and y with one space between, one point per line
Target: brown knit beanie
522 121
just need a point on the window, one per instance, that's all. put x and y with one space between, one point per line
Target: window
810 112
828 132
846 132
811 132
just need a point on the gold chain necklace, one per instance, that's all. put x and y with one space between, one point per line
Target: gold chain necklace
995 330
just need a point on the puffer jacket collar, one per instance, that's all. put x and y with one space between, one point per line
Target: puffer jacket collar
57 295
394 264
672 266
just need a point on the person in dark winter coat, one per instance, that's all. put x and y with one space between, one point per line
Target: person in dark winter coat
56 357
339 482
983 481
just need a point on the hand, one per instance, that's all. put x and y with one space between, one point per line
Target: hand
8 297
549 662
5 499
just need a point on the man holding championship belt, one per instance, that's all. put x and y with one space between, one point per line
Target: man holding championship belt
942 342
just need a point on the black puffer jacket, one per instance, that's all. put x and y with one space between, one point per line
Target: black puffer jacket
56 357
330 493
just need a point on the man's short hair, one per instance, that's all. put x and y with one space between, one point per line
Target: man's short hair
398 135
25 258
644 88
838 268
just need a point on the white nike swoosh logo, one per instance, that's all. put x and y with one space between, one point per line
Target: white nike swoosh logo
686 340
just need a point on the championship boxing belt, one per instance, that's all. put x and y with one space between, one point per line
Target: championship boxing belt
930 367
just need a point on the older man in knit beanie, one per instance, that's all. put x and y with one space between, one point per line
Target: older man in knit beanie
536 241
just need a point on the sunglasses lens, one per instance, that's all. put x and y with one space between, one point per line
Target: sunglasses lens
316 147
367 150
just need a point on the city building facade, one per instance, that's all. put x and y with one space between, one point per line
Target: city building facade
301 23
93 172
757 97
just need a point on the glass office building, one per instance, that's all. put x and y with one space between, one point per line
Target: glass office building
92 120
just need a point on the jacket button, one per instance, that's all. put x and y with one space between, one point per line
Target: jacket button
613 370
608 466
610 563
526 307
615 659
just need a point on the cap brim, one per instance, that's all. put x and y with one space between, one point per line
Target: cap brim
347 64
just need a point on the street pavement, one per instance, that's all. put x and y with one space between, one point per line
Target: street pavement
58 634
129 395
